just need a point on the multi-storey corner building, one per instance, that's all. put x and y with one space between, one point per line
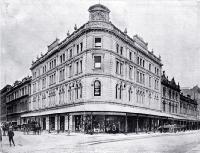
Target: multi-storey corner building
99 79
170 95
3 111
17 100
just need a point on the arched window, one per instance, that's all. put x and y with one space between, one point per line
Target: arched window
164 106
70 93
76 91
129 94
164 91
116 91
97 88
120 92
80 90
137 93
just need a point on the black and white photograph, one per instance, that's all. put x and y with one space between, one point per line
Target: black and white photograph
100 76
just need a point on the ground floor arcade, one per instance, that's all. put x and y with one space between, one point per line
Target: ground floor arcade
107 122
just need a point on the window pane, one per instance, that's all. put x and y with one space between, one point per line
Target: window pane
97 42
97 88
97 61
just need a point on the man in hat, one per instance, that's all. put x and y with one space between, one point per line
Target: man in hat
10 136
0 134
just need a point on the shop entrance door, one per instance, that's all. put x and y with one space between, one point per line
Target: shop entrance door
52 123
44 123
62 123
78 123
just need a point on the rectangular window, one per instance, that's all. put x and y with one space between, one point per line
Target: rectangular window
138 76
143 79
121 68
117 67
70 70
60 77
130 72
44 83
138 60
77 67
130 55
98 42
81 44
61 59
81 66
121 50
150 82
97 62
149 67
77 48
143 64
70 53
54 62
117 48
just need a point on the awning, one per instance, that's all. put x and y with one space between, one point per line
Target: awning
102 108
98 108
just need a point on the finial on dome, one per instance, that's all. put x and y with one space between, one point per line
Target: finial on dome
68 34
125 31
75 27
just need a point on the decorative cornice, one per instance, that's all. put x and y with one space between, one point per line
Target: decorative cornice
97 26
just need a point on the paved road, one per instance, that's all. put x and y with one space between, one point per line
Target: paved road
188 142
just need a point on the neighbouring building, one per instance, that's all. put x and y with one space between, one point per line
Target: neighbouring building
175 103
194 94
17 101
99 79
170 95
3 111
188 109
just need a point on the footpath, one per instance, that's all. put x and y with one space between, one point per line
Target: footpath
38 143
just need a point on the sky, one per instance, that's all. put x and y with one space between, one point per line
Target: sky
171 28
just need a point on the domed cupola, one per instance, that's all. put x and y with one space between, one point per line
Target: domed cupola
99 12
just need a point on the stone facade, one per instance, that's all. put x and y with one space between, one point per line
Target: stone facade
3 110
99 79
170 95
17 100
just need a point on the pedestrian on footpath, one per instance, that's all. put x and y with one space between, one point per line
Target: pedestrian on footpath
10 136
1 139
0 134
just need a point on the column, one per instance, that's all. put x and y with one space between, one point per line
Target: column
137 124
66 123
83 122
126 124
56 122
91 128
47 123
70 123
